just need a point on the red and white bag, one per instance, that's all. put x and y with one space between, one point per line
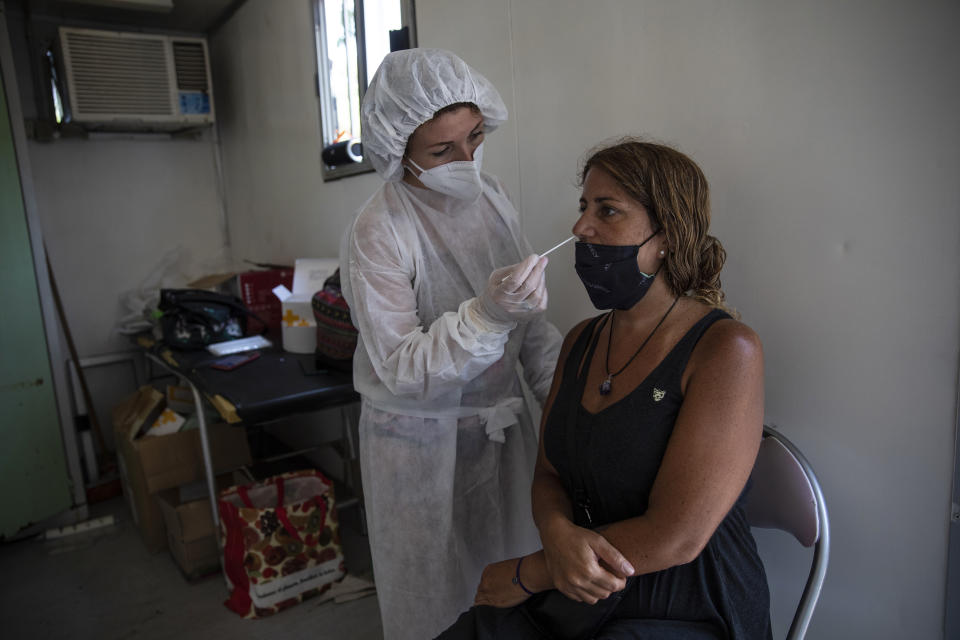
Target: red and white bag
281 542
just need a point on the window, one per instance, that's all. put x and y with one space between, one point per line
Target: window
353 37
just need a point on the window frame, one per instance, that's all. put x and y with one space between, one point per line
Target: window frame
324 94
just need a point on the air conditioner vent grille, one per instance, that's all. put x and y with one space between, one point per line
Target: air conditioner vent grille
130 81
191 66
125 76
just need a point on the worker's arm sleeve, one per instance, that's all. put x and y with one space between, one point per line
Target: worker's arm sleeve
538 355
409 359
541 344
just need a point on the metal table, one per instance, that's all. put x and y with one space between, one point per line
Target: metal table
275 385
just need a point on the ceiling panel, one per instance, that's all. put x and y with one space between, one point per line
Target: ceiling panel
195 16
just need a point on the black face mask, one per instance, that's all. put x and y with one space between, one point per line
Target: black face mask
611 275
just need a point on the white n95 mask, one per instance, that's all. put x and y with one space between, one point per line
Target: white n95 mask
459 179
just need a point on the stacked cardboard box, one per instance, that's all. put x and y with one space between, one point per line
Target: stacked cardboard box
299 327
191 537
151 464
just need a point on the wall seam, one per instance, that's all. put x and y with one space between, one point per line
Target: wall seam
516 110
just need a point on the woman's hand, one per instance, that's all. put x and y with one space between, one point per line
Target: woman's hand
583 565
496 586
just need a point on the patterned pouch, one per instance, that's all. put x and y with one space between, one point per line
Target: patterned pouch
336 335
281 542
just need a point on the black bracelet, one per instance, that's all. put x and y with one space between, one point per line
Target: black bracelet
516 578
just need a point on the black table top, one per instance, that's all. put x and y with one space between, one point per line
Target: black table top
276 384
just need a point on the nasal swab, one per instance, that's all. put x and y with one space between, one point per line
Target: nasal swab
548 251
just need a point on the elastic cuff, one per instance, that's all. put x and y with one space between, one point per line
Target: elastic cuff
482 321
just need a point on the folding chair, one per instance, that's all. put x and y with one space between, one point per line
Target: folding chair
786 495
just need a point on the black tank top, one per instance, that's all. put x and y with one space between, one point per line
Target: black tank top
614 455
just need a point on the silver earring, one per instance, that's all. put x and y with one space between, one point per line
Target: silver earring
662 253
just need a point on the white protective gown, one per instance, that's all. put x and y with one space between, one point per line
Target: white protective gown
447 446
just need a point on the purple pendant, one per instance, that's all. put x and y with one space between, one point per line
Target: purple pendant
606 385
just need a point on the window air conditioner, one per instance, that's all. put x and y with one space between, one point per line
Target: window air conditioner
121 81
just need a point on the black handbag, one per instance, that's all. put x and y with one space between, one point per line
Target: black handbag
195 318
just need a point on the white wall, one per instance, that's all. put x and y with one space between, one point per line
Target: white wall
111 211
829 134
279 208
828 131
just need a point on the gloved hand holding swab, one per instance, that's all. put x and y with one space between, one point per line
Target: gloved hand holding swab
521 298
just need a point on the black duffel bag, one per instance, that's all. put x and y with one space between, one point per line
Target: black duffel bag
195 318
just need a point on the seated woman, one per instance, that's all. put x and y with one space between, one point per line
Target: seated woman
649 434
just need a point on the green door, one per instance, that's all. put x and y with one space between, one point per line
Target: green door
33 469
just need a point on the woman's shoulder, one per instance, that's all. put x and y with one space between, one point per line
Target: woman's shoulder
731 329
727 343
381 216
574 334
578 328
380 209
380 231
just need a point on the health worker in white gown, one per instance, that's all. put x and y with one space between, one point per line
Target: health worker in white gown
448 298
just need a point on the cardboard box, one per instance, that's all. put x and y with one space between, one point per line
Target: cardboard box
168 422
134 416
190 534
150 465
298 327
256 291
219 282
180 399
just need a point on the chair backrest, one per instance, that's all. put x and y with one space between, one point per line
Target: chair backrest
786 495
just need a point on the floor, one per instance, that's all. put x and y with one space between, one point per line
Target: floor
104 584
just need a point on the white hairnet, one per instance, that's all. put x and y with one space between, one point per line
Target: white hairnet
408 89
